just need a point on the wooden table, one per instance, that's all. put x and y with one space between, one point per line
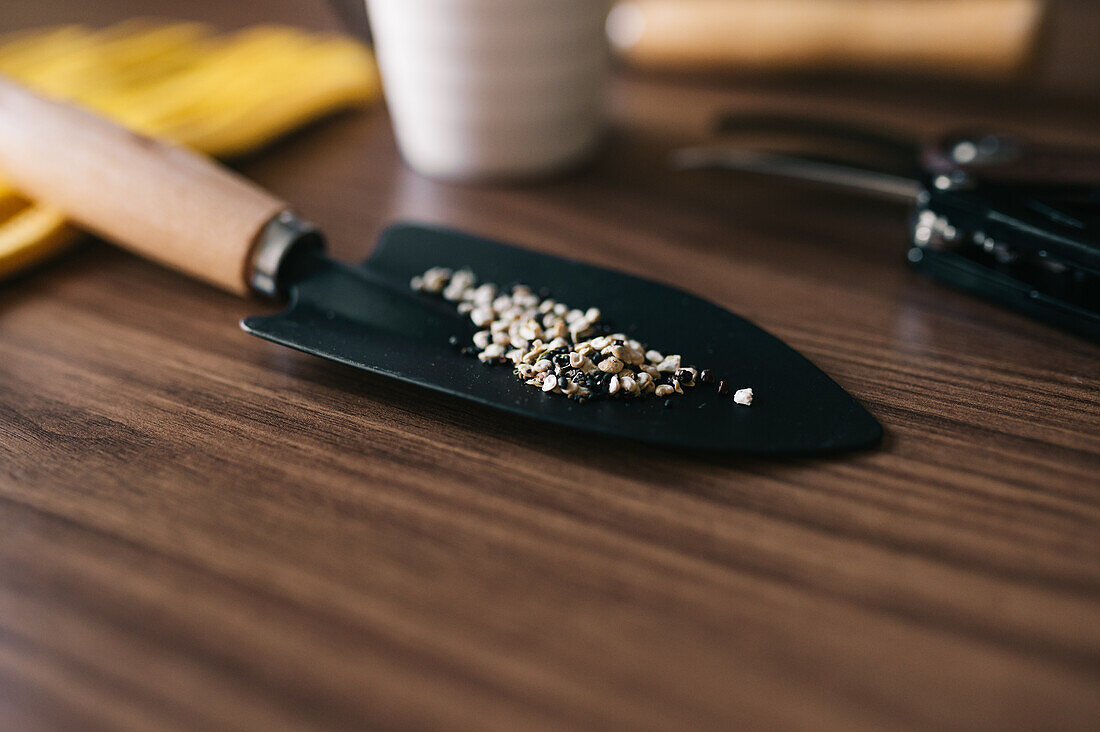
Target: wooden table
201 530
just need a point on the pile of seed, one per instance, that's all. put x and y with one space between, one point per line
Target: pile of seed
560 349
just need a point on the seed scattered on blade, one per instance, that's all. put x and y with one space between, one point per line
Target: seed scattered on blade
561 349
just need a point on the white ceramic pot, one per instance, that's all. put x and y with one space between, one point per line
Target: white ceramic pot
486 89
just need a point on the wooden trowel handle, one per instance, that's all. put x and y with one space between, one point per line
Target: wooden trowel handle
155 198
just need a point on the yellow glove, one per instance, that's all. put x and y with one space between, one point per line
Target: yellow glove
222 95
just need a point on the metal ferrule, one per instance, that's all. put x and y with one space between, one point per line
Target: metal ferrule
284 234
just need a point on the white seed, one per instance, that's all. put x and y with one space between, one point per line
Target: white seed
676 385
549 383
546 306
670 364
481 338
613 385
558 330
644 379
628 384
611 365
561 309
664 390
572 316
587 366
557 343
435 279
623 354
575 360
481 316
498 326
651 370
452 293
464 308
568 387
502 338
654 356
592 315
743 396
417 283
525 371
542 365
485 294
601 342
514 355
502 303
464 278
492 351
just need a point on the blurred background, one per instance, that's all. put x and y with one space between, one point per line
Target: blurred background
915 67
1059 63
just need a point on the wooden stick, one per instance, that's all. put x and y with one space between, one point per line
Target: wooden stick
959 37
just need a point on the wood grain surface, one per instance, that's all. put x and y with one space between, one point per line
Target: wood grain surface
201 530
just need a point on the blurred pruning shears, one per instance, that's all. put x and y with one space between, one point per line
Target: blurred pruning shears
1010 221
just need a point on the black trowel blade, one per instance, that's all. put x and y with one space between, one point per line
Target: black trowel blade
366 316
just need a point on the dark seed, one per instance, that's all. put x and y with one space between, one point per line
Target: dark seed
707 376
465 351
723 388
685 378
668 404
544 292
453 340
